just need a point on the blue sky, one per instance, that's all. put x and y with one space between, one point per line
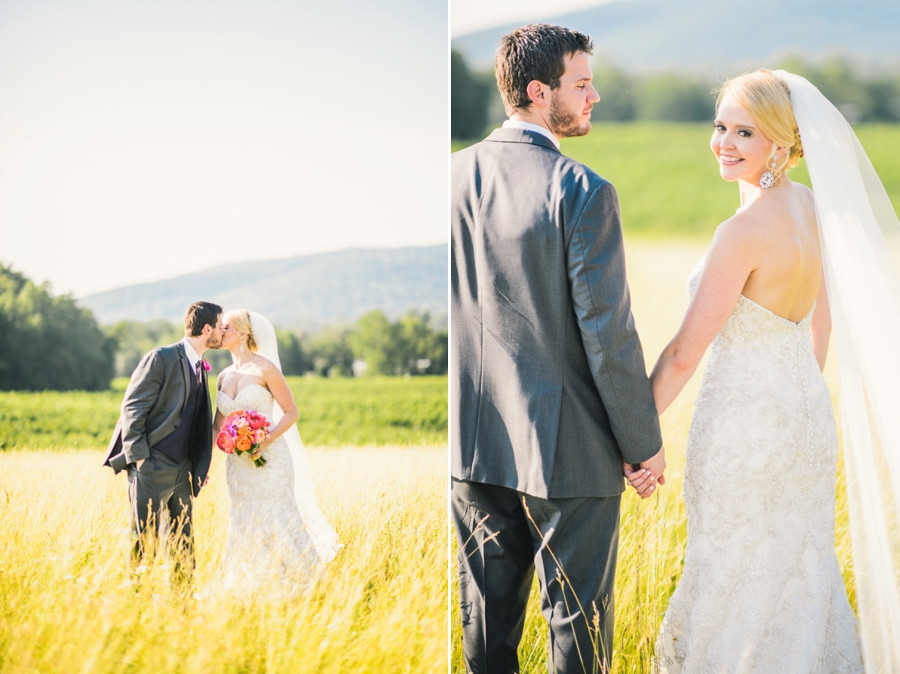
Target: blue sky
141 140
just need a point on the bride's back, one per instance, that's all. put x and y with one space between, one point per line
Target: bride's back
789 271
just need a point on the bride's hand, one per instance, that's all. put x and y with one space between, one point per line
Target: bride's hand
265 443
641 479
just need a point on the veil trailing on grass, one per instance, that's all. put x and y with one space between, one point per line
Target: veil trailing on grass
860 238
323 535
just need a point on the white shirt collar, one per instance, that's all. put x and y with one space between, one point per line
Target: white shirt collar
190 353
528 126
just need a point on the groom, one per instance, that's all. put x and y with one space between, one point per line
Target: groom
164 434
550 393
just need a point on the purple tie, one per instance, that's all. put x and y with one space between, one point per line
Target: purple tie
199 365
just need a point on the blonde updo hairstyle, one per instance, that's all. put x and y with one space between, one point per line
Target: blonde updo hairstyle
239 319
768 100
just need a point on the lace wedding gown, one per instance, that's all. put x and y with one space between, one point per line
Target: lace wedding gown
267 541
761 589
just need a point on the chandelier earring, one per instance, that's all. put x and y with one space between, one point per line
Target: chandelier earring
767 179
241 349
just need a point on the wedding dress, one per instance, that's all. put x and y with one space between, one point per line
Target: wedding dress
276 530
267 537
761 589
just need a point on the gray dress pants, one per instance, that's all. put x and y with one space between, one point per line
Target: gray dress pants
572 543
161 508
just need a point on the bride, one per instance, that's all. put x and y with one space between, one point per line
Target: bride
276 530
761 589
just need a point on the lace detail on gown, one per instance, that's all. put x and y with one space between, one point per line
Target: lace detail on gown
761 589
267 540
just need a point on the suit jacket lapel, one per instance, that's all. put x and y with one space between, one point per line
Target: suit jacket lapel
204 383
186 371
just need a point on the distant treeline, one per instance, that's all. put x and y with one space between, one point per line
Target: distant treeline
475 103
49 343
375 345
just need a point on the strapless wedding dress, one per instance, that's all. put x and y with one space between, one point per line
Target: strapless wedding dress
761 589
267 540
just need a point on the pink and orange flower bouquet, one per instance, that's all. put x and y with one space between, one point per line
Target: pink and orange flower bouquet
243 431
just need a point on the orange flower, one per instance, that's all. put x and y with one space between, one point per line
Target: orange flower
243 443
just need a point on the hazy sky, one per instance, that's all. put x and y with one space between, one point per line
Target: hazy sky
468 16
141 140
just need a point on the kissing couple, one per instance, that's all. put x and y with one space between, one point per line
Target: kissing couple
164 441
552 405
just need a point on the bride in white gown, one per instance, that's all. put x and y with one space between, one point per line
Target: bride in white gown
761 589
276 532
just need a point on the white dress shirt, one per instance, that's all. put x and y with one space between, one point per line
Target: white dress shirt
528 126
192 356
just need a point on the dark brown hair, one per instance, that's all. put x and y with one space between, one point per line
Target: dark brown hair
200 314
534 52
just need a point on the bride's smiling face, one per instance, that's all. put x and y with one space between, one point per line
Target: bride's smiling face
743 152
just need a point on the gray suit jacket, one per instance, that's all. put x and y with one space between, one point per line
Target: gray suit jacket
152 408
549 387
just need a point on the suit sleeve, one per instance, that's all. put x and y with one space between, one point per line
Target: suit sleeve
142 393
596 270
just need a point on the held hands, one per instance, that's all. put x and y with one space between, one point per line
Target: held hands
646 476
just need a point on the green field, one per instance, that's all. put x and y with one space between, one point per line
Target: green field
668 182
334 412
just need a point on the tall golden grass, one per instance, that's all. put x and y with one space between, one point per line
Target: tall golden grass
652 535
68 602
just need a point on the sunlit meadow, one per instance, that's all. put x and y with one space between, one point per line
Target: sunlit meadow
68 602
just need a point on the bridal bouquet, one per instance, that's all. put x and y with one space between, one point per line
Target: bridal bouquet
243 431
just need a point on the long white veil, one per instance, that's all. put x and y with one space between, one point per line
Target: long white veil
323 535
860 238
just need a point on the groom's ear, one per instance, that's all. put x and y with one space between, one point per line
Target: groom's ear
538 93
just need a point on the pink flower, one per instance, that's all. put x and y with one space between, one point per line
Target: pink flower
205 364
256 420
225 442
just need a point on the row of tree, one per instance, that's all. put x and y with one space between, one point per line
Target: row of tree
373 346
475 103
49 343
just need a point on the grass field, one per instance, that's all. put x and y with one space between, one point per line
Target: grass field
653 532
68 604
668 181
334 412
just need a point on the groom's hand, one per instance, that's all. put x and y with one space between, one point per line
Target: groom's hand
645 477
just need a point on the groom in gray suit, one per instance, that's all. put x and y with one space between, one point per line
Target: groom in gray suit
164 435
550 394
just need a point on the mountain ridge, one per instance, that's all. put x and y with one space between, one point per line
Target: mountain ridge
707 36
307 291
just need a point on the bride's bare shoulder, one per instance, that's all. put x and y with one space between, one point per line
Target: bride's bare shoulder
265 365
743 228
